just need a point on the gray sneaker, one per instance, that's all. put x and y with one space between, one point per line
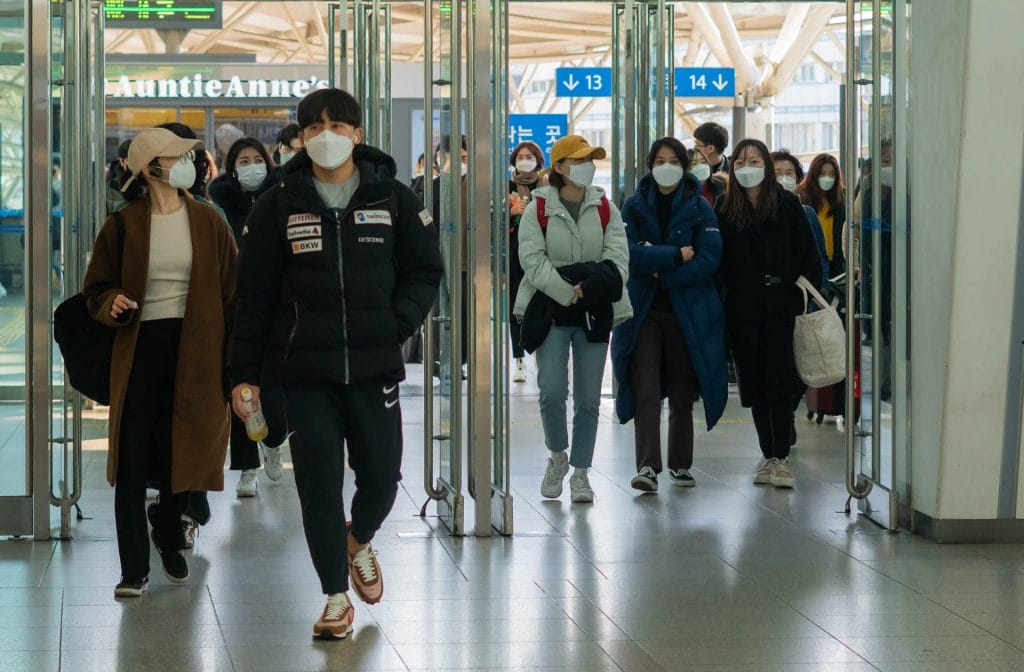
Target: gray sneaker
579 487
551 486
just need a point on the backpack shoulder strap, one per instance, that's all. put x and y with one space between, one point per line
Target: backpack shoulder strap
542 215
604 210
119 224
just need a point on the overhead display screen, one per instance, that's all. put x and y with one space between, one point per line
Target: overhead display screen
164 14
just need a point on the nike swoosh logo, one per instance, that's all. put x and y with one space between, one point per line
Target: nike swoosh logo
390 404
389 390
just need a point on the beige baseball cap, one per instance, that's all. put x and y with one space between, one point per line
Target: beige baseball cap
152 143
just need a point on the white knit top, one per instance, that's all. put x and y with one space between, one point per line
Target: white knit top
170 267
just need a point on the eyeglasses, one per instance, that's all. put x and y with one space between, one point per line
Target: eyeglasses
187 157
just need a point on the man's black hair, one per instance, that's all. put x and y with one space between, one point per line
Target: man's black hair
339 105
713 134
287 134
446 144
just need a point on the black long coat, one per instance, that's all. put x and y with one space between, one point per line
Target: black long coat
758 274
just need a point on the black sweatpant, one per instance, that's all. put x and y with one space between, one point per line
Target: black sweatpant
144 449
774 423
365 417
660 366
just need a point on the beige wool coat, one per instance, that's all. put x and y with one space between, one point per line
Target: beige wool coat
201 422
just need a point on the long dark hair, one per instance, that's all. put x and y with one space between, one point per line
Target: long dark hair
735 204
236 149
138 188
813 195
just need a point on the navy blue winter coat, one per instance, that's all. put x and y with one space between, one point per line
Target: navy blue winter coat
695 300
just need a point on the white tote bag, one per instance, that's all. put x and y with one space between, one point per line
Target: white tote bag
819 341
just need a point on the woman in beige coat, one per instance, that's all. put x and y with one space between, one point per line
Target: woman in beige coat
163 275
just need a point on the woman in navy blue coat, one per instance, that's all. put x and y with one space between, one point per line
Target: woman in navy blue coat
674 344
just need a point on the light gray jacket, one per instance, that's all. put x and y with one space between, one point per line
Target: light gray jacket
569 242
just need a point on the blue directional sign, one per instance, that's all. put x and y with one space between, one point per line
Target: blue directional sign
543 129
583 82
705 82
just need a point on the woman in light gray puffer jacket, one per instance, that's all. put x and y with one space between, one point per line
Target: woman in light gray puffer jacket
567 223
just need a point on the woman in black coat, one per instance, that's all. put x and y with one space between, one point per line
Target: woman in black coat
248 173
767 245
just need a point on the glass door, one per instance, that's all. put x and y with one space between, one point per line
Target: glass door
21 70
878 258
465 346
80 208
371 23
642 57
444 333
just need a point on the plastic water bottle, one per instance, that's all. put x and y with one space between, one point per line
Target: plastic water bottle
255 424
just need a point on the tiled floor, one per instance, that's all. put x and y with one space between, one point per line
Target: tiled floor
727 576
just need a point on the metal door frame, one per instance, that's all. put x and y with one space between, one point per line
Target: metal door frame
886 503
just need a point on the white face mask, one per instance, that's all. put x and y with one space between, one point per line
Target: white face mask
463 168
526 165
287 156
182 175
701 171
750 176
788 182
887 175
826 182
667 174
252 176
582 174
329 150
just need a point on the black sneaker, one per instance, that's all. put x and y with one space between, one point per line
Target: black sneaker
681 478
175 566
131 588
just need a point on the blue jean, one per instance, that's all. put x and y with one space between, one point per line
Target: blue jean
588 361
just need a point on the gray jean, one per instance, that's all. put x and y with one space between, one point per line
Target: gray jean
588 361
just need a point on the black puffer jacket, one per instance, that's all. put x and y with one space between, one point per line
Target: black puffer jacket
236 202
328 296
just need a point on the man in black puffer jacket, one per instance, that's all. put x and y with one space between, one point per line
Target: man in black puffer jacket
340 265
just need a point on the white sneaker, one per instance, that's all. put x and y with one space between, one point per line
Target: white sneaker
272 461
763 475
247 484
645 480
519 373
579 487
551 486
782 476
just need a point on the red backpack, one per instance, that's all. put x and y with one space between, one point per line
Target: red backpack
604 210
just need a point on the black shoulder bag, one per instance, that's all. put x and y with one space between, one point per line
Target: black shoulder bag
85 344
